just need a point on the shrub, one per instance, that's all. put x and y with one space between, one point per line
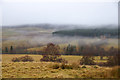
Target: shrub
51 54
52 58
45 58
15 59
87 60
23 59
26 58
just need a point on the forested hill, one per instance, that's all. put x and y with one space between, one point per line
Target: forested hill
113 32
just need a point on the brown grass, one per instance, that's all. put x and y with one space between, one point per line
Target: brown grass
39 69
43 70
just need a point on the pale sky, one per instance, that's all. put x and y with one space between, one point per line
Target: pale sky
84 12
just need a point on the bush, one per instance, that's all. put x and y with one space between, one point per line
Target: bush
15 59
52 54
52 58
45 58
25 58
87 60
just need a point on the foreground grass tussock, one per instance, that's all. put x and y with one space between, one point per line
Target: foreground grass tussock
43 70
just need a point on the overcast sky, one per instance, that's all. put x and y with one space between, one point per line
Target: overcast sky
96 12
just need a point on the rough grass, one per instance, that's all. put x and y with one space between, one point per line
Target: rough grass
42 70
39 69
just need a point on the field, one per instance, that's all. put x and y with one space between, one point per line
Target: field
39 69
34 39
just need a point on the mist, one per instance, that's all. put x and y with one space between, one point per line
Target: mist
43 39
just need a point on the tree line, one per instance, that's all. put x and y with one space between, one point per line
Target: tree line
83 50
89 32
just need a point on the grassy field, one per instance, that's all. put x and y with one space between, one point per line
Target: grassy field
39 69
70 58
